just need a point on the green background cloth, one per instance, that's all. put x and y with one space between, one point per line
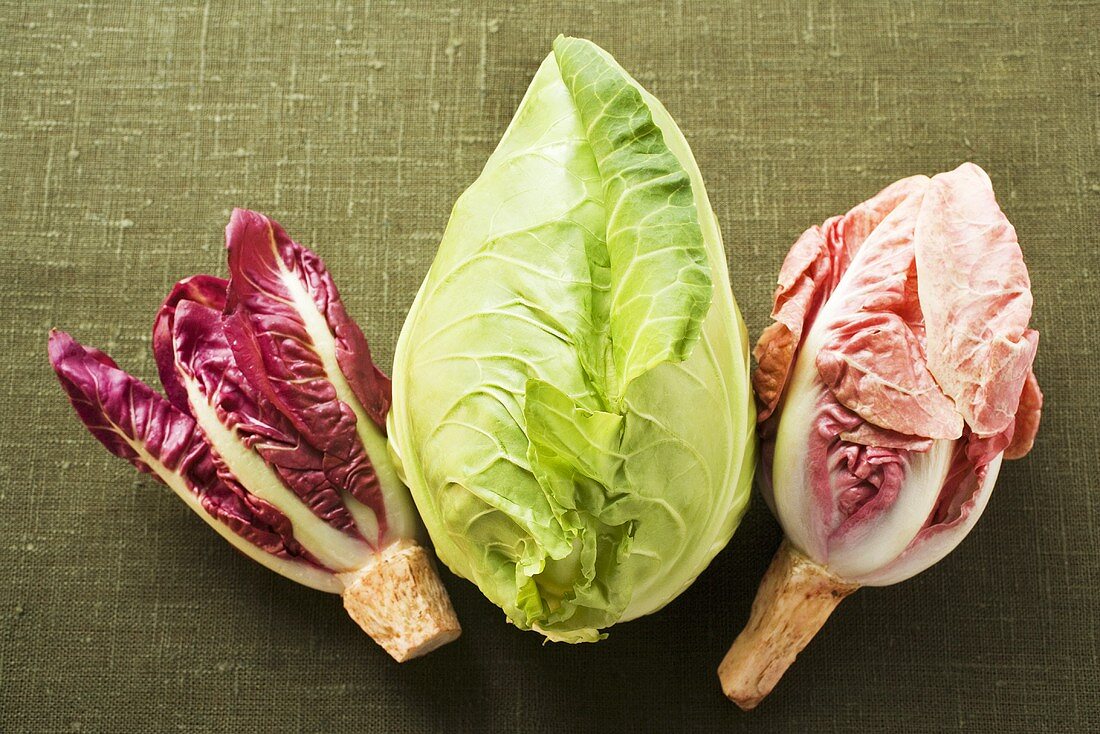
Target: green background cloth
129 130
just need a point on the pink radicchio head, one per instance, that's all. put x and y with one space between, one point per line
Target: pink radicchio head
272 429
896 376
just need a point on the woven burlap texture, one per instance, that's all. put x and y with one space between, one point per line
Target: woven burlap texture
129 130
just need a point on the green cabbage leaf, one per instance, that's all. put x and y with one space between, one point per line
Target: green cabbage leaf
571 399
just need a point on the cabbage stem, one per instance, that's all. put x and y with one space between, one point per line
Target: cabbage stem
399 600
795 598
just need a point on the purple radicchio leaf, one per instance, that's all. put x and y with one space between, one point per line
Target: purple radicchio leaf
237 422
265 265
294 342
207 290
203 355
137 424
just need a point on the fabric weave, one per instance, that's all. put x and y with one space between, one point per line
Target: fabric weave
129 130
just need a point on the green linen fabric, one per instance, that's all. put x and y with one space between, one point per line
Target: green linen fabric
128 131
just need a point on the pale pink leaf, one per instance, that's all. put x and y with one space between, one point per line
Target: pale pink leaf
976 297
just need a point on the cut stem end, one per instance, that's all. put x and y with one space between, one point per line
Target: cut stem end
795 598
400 602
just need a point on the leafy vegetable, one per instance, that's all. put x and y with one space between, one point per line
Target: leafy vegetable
571 401
895 379
137 424
273 432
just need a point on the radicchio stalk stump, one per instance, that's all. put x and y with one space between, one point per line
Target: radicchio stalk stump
273 431
895 379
